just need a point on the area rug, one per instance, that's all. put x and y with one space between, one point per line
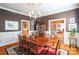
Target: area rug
17 50
63 52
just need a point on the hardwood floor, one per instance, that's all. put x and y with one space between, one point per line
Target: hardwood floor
72 51
2 49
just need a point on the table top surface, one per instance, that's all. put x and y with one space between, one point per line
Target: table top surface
74 37
42 41
39 41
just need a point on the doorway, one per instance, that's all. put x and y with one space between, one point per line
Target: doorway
57 28
25 28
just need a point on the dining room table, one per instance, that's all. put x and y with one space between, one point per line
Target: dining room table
43 41
75 40
40 41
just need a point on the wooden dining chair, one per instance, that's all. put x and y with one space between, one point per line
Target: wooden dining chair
20 43
36 49
23 44
20 40
50 50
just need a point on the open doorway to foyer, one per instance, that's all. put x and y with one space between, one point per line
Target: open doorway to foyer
57 28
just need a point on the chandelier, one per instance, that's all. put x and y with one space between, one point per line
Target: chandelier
34 14
34 10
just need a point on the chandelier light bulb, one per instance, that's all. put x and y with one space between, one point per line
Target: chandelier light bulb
39 13
32 12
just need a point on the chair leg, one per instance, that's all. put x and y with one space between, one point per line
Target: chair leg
44 52
28 51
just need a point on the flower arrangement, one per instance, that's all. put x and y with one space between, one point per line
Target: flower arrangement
72 33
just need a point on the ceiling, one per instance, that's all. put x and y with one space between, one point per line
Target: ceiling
38 9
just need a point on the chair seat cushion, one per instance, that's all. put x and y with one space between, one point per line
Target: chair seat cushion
20 44
51 51
25 46
37 50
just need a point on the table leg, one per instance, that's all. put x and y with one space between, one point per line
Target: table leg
76 45
70 43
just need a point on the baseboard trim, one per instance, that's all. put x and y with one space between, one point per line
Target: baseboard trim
9 45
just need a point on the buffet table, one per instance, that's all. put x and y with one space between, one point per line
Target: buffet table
75 40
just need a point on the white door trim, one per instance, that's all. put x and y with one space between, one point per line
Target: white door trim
25 21
57 20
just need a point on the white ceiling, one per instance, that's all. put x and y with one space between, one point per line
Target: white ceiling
43 8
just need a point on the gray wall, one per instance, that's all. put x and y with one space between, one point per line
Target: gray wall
67 14
7 15
9 36
77 16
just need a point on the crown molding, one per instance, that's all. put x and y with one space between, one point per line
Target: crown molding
8 9
14 11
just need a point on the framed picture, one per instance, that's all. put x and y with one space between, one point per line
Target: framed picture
72 20
73 26
11 25
25 25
